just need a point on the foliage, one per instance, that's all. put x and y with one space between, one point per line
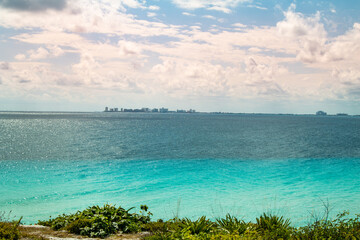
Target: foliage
232 225
273 227
9 229
339 228
102 221
160 226
99 221
201 225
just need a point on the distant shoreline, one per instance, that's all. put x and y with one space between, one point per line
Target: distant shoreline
185 113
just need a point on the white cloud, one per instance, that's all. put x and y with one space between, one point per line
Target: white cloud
151 14
209 17
20 57
187 14
154 8
296 25
175 76
40 53
314 46
258 7
348 85
219 5
55 51
50 38
101 17
239 25
133 3
221 9
128 48
308 32
216 62
254 50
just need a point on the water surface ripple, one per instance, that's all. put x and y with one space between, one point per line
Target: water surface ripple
179 164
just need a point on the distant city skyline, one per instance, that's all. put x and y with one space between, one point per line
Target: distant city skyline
273 56
148 110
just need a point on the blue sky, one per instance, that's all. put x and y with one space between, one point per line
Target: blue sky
274 56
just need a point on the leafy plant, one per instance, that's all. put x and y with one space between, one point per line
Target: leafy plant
273 227
232 225
339 228
99 221
201 225
9 230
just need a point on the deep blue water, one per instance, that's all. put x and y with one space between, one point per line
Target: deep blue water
179 164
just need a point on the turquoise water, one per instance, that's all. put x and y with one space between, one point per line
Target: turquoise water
179 164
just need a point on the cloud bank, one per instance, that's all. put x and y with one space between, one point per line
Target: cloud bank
112 50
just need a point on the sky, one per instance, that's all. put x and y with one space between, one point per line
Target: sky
269 56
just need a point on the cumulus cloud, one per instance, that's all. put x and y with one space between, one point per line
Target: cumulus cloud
348 76
176 76
346 46
307 31
87 69
348 83
263 71
128 48
34 5
102 17
314 45
248 62
41 53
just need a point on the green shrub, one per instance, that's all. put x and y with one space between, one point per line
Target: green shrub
232 225
9 230
273 227
339 228
201 225
99 221
78 225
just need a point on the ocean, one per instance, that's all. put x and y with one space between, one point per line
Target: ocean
180 165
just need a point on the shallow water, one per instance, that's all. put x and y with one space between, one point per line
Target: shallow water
179 164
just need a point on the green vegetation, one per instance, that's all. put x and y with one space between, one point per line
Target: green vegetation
100 222
103 221
232 225
266 227
339 228
9 229
273 227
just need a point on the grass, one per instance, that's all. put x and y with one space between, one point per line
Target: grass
9 230
108 220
